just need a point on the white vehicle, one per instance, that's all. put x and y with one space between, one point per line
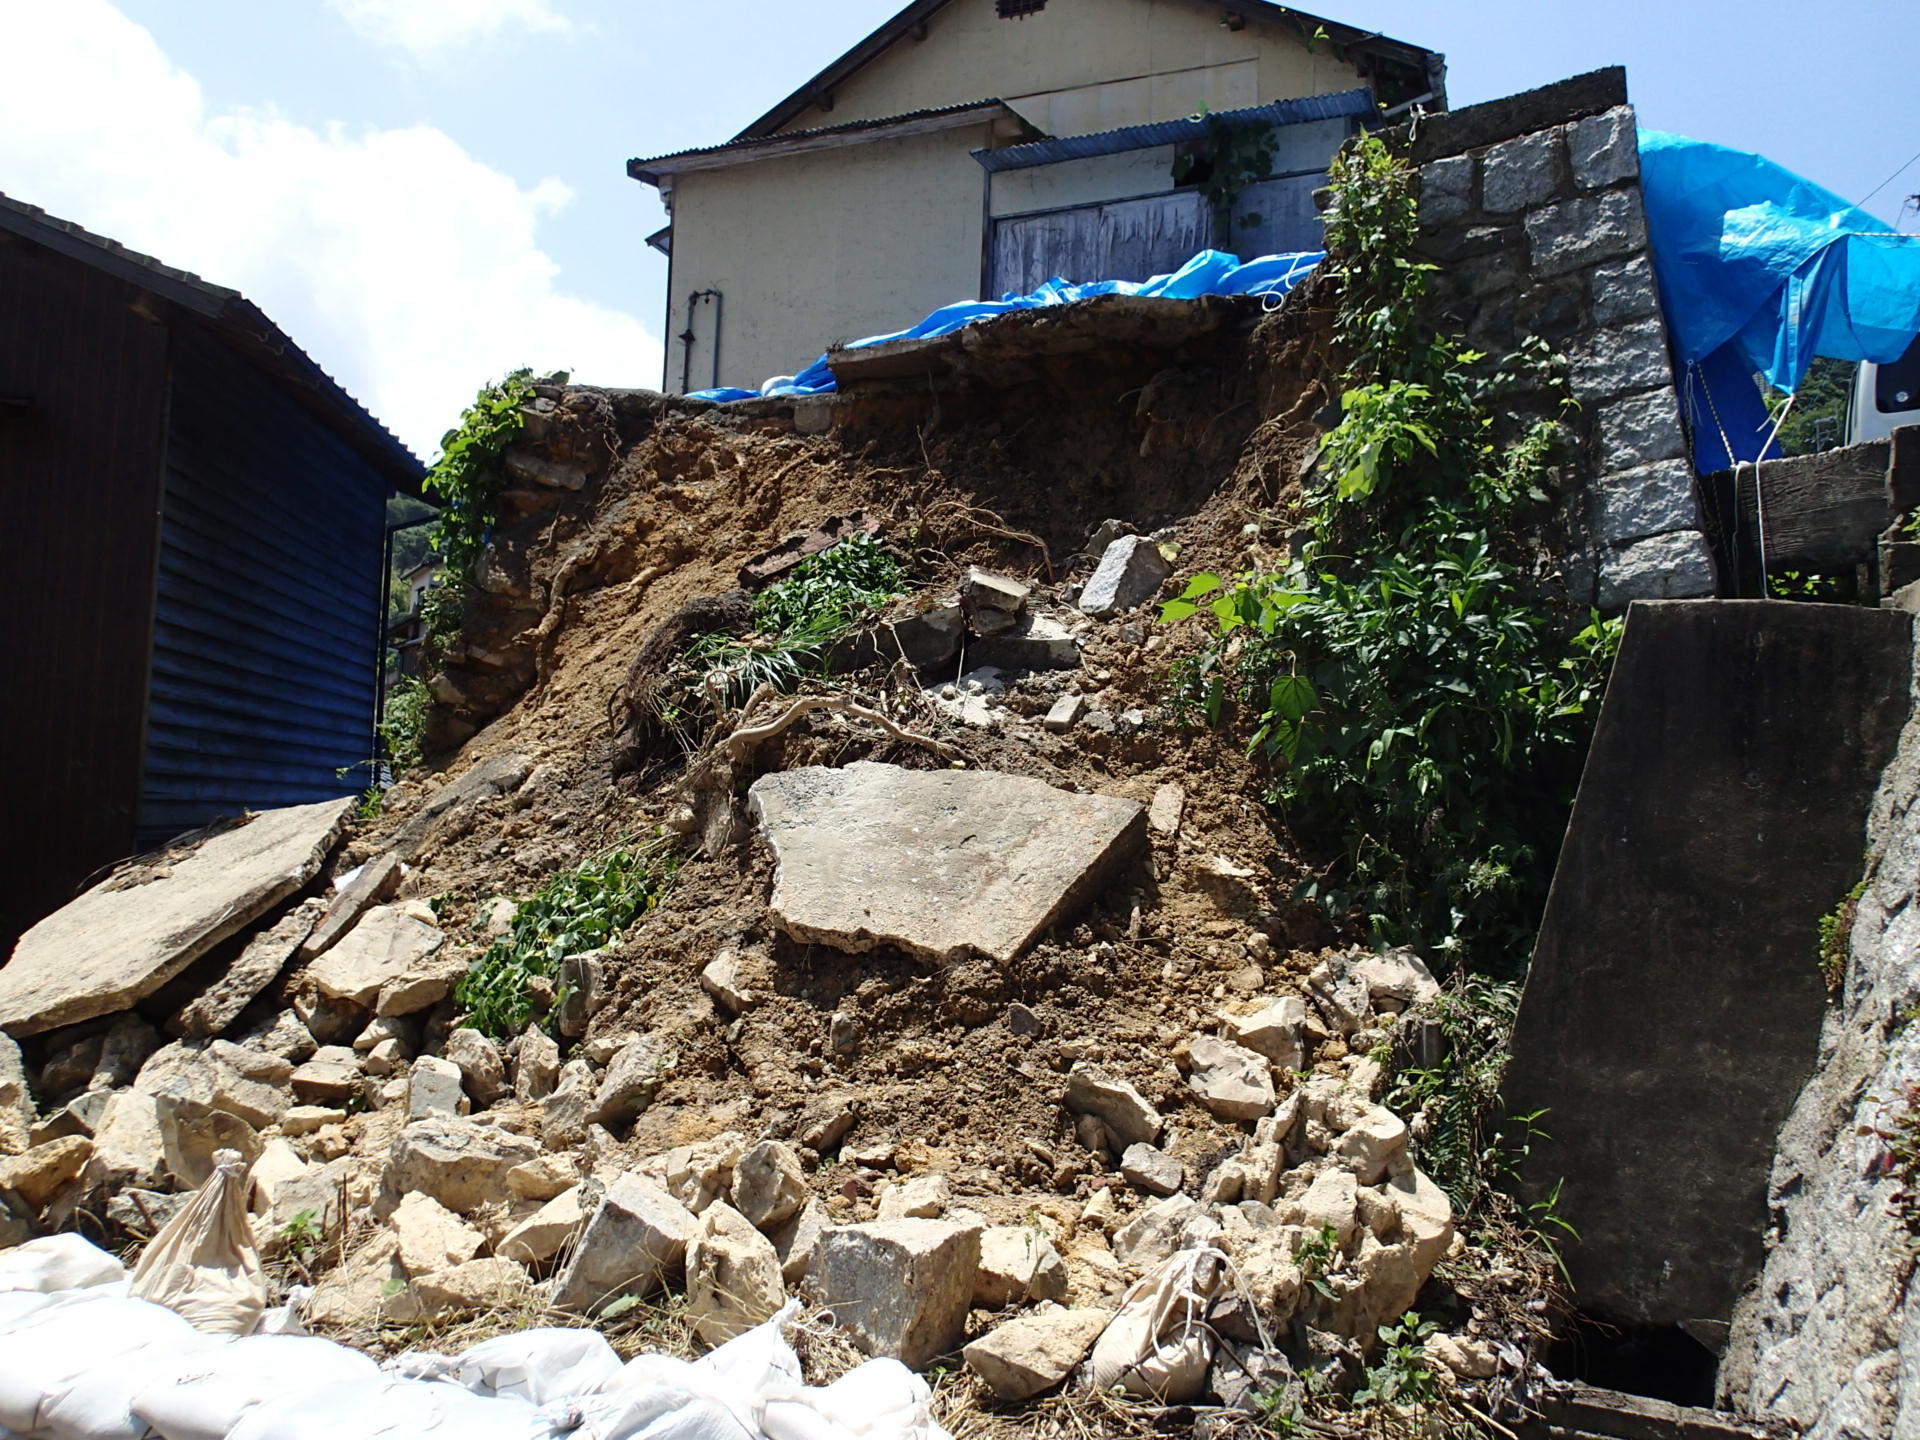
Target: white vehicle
1885 397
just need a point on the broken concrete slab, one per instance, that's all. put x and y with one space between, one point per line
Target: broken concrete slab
1034 642
992 601
1129 574
937 863
219 1004
371 883
496 775
129 935
383 947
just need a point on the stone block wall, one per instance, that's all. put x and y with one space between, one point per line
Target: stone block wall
1828 1338
1531 208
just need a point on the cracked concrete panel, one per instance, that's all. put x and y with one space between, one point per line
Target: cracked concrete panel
129 935
936 863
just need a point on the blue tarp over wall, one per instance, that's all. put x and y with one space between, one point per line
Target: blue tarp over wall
1211 272
1760 271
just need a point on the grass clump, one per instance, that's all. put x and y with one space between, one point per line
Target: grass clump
575 911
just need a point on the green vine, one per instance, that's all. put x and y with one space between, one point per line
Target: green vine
1423 711
469 475
1231 158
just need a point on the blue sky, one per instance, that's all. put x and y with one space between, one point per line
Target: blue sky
425 193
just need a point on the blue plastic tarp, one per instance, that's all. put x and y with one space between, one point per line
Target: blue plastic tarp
1211 272
1759 271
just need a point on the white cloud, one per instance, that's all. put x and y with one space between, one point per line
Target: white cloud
425 28
406 267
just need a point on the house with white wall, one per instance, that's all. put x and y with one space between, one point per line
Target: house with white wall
971 148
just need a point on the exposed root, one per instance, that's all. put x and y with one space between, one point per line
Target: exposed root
747 740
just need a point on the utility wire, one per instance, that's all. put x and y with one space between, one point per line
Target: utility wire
1886 182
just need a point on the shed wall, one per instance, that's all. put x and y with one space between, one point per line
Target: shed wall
268 602
79 485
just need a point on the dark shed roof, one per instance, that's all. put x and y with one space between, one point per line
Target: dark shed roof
239 322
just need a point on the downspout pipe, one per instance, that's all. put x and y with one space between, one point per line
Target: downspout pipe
686 337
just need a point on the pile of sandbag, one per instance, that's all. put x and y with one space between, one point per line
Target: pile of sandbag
176 1350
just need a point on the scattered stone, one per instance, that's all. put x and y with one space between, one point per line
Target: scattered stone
460 1163
698 1175
549 1230
467 1289
1034 1353
583 983
638 1236
1129 573
1467 1358
305 1119
1022 1021
1151 1170
563 1116
1273 1031
1065 713
1091 1132
385 1059
192 1130
1036 642
1169 802
1018 1263
422 985
371 883
16 1100
542 1178
769 1186
327 1020
1232 1082
284 1036
1332 1200
1129 1119
129 1148
826 1121
127 936
496 775
992 602
793 1242
900 1287
434 1088
431 1237
1374 1145
382 948
71 1067
536 1065
500 917
482 1072
142 1213
39 1175
843 1033
924 1197
331 1076
127 1045
722 979
259 1065
602 1048
873 855
1154 1234
733 1276
928 640
631 1080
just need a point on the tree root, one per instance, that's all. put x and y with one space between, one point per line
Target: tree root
744 742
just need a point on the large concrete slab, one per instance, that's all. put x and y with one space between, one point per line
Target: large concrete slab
935 862
1675 1001
129 935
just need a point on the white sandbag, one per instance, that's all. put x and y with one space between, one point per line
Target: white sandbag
386 1409
50 1348
202 1263
19 1304
206 1400
58 1262
538 1366
97 1404
880 1400
647 1412
758 1360
1158 1344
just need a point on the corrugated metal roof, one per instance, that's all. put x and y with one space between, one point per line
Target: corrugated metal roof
1344 104
641 169
266 344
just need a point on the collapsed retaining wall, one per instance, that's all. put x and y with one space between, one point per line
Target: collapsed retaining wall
1530 206
1829 1336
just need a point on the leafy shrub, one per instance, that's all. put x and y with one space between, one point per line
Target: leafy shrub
575 911
469 475
401 721
829 591
1424 713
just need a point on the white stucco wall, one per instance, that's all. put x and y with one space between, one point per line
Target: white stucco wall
825 247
